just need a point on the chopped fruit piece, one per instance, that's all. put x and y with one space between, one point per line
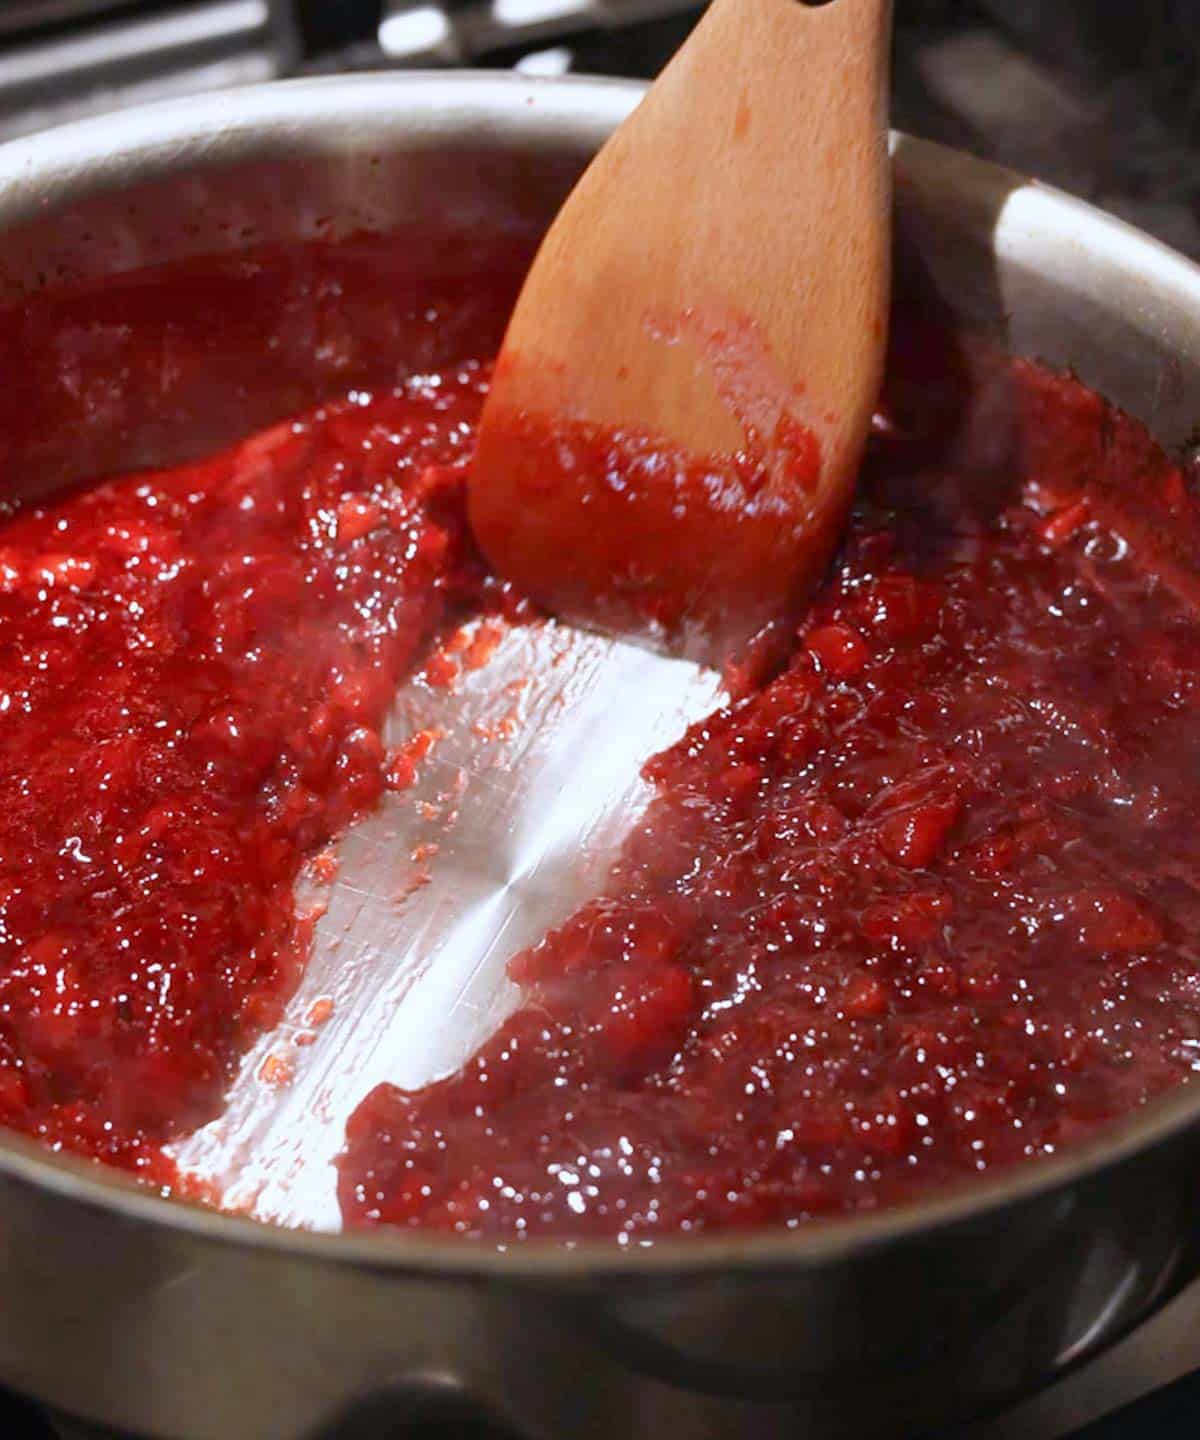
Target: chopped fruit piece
914 837
356 518
838 648
865 998
320 1011
1058 528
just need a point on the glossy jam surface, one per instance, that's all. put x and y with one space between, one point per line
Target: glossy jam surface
619 531
923 907
194 665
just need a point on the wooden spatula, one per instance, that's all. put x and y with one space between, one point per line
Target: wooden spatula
682 398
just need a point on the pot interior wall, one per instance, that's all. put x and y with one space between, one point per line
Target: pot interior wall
115 362
151 332
1055 280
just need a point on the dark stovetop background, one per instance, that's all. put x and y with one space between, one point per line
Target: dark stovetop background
1100 97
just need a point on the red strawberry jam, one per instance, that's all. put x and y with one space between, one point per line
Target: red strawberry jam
921 906
924 906
194 666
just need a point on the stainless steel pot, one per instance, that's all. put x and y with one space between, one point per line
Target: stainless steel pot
148 1315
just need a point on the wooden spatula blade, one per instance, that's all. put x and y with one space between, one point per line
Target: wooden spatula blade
687 380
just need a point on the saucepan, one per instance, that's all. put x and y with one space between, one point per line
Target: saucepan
166 1319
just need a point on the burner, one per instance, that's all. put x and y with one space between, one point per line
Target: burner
64 59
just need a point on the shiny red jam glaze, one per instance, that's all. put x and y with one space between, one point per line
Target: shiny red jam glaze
618 530
925 906
194 665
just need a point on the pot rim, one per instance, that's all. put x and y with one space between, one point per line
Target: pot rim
75 158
